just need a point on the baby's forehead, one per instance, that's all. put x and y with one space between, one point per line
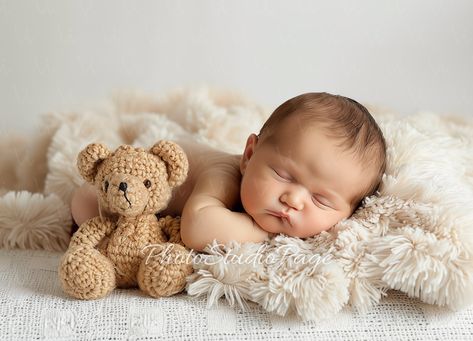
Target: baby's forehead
294 137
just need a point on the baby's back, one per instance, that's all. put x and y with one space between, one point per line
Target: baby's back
203 161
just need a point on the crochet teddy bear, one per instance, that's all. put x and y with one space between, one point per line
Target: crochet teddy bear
130 246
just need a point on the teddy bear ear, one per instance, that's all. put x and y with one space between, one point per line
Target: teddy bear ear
175 158
89 158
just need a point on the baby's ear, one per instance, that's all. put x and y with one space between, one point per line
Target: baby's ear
89 159
176 161
251 142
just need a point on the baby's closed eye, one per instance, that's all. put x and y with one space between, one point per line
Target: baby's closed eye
286 177
319 201
282 174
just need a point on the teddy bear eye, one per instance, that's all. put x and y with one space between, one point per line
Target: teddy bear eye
105 186
147 183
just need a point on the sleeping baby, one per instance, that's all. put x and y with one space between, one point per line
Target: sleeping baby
314 160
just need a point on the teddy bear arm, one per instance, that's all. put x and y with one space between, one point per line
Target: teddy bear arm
92 231
172 229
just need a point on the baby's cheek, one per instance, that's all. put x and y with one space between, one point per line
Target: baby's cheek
317 222
249 193
263 188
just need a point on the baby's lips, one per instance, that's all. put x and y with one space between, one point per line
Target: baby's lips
281 215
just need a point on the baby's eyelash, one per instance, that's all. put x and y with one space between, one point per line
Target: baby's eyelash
318 201
288 178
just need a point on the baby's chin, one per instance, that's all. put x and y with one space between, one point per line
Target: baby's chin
274 229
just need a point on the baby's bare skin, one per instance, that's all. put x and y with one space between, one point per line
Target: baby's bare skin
210 203
202 159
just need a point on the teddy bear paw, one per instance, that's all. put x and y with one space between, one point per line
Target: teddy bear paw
86 274
164 269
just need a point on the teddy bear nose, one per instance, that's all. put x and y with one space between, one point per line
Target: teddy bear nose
122 186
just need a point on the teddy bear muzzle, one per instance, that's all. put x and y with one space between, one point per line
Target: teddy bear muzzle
126 195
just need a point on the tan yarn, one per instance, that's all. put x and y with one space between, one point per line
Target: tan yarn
130 247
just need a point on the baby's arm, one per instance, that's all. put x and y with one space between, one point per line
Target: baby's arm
206 215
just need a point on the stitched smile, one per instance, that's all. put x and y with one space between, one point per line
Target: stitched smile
127 199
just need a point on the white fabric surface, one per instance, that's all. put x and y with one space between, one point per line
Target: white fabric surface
33 306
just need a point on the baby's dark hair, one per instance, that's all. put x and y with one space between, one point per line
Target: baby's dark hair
344 119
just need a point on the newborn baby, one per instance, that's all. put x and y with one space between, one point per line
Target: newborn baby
313 161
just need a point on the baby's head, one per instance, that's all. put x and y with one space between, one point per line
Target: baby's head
314 160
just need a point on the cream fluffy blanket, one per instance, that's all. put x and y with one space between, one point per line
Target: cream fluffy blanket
416 236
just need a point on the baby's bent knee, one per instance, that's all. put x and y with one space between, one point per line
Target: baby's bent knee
84 204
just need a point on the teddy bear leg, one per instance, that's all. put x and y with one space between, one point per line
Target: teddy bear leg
164 269
86 274
171 226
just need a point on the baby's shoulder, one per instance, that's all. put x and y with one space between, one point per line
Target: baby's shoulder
224 167
204 159
217 176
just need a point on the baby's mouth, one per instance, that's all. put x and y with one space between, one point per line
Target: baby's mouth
281 216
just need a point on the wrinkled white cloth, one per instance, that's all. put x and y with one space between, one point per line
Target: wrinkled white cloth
35 308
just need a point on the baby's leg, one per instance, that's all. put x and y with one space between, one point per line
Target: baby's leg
84 204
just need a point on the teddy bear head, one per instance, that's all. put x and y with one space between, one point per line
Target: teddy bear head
133 181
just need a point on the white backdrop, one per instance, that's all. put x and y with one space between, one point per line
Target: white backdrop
404 55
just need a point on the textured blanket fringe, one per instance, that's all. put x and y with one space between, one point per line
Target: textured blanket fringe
33 221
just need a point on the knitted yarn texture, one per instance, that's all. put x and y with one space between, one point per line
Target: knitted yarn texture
128 246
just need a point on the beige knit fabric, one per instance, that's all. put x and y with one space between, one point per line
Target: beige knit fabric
129 246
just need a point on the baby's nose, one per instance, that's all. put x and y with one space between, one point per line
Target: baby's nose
293 200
